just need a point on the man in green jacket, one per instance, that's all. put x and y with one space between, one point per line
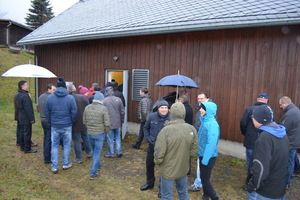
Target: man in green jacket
174 146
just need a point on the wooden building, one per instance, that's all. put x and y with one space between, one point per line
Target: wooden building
11 32
233 50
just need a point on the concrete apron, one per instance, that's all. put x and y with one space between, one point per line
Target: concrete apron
225 147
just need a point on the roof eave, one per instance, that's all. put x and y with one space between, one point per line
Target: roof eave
160 30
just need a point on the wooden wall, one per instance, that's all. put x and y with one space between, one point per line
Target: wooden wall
232 66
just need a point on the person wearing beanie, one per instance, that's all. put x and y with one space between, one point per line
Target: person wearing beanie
174 146
208 137
83 90
61 112
97 121
268 166
249 131
61 82
154 124
116 113
291 121
79 130
91 98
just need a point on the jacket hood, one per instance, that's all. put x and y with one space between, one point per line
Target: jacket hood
146 96
211 109
177 111
109 91
61 92
274 129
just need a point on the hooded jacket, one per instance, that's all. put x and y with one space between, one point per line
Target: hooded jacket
269 163
291 121
144 108
175 144
208 134
60 108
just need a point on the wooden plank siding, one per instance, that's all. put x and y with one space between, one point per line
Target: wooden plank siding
231 66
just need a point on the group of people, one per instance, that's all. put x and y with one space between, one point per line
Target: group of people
66 116
173 133
271 149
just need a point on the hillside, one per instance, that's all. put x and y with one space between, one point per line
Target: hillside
9 86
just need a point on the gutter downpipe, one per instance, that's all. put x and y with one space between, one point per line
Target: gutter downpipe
7 33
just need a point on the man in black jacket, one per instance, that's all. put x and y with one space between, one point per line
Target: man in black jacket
248 130
291 121
26 117
268 166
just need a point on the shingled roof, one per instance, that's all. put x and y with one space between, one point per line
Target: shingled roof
95 19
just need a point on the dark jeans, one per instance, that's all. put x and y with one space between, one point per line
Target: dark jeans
206 170
18 133
150 165
47 141
25 139
141 136
297 165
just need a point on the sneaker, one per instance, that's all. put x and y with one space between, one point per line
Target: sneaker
77 161
295 175
108 156
65 167
194 188
95 177
55 171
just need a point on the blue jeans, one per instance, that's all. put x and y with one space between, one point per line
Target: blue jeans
77 136
114 135
291 166
97 142
47 141
256 196
56 134
166 188
297 165
248 157
197 181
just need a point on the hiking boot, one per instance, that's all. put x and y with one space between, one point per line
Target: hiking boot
65 167
95 177
77 161
119 155
194 188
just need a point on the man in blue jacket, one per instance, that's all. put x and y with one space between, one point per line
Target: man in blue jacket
61 111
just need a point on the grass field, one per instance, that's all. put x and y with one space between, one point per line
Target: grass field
25 176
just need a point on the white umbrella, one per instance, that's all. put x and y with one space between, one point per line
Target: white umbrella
29 70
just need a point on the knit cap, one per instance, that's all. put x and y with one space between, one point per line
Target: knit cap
98 96
263 114
61 82
82 90
162 102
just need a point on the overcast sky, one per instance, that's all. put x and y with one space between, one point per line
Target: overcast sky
17 10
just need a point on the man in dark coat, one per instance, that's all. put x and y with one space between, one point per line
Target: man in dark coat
26 117
291 121
248 130
117 93
153 125
79 130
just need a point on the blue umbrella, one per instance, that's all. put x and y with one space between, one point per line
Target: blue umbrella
177 81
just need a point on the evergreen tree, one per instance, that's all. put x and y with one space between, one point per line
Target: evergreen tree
40 13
